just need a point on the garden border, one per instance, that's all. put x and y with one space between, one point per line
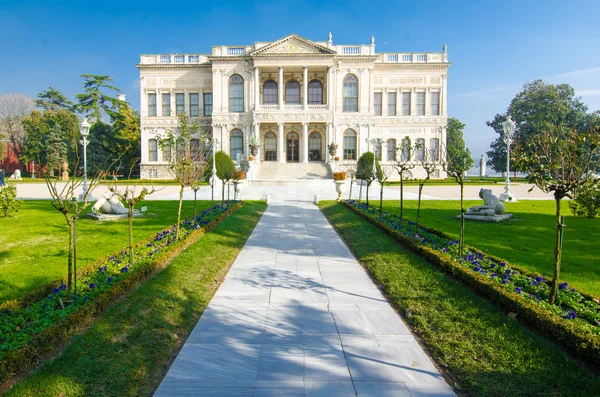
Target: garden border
18 362
583 344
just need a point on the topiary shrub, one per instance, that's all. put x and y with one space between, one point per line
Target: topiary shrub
225 170
586 201
9 203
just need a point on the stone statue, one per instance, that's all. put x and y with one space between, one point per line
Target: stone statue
491 205
109 203
16 176
65 173
445 48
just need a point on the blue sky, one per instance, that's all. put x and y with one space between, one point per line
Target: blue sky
495 46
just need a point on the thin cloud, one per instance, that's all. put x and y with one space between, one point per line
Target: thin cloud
575 73
488 92
589 92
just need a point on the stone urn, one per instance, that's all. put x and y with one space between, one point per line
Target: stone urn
332 149
254 150
339 188
65 173
238 186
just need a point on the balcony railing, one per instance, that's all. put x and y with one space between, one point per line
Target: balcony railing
292 107
317 107
172 59
430 57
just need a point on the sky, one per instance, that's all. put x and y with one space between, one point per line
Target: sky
495 46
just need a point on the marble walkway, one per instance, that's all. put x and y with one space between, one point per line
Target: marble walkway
298 316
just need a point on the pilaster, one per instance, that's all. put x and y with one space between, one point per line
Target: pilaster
305 87
280 84
304 142
280 143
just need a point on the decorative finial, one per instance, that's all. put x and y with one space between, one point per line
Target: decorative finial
330 36
372 40
445 48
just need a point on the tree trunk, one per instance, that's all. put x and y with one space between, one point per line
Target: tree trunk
419 203
71 224
223 191
401 195
367 195
380 199
130 219
179 211
557 252
195 193
360 191
350 194
461 243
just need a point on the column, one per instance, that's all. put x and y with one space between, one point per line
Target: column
328 141
328 85
280 88
304 142
256 88
304 87
281 155
261 144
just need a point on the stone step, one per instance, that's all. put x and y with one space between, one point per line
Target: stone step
292 171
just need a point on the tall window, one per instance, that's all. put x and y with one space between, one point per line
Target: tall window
152 150
391 149
315 92
151 104
314 146
420 149
270 146
434 149
195 149
166 104
420 103
236 145
208 104
292 93
349 145
377 103
435 103
270 93
391 110
406 103
236 94
377 150
194 109
166 153
180 103
405 149
350 93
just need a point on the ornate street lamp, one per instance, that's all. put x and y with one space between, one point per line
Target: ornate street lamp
84 129
213 177
509 129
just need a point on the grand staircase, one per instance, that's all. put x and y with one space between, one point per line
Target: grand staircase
272 171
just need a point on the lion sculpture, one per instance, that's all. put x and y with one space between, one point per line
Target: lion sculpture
491 205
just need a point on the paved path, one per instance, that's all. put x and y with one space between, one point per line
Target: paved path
298 316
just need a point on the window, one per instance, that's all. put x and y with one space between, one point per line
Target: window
151 104
180 103
207 104
270 93
350 93
195 149
314 146
435 103
166 153
420 103
152 150
166 104
236 145
405 149
391 110
434 148
377 103
406 104
236 94
391 149
292 93
315 92
349 145
270 146
194 110
420 149
377 150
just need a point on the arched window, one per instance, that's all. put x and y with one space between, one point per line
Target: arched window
391 149
270 92
349 145
152 150
406 149
315 92
314 146
350 93
236 93
377 150
236 145
270 146
195 149
420 149
292 93
434 149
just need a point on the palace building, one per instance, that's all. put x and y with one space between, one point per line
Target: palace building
296 97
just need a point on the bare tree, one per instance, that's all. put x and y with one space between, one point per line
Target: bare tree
13 108
404 163
350 170
427 160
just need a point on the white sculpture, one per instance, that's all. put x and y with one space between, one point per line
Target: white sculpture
491 205
16 176
109 203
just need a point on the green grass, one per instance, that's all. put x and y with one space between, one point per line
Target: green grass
481 350
34 243
526 240
128 351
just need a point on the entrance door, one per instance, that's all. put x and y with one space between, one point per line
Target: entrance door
293 147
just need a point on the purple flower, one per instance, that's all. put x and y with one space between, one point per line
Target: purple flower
502 263
62 287
492 265
493 275
55 291
505 281
518 290
125 269
570 315
564 285
93 285
507 272
109 279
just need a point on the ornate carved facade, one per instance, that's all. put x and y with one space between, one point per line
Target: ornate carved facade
296 97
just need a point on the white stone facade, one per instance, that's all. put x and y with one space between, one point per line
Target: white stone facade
297 97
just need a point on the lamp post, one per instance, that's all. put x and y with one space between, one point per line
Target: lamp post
84 129
213 177
509 129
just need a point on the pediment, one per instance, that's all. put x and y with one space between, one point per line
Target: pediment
293 45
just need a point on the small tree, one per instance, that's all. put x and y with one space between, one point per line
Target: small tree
383 174
560 161
364 170
9 203
404 163
456 160
587 200
225 170
350 170
429 164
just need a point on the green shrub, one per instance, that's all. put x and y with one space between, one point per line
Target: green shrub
9 203
587 201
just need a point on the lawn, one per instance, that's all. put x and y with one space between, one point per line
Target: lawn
34 243
129 350
526 240
481 351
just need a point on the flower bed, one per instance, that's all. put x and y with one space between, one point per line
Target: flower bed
28 332
573 321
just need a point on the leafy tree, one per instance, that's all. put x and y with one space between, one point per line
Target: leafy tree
9 203
54 100
539 107
225 170
36 129
404 163
364 170
560 161
126 136
56 149
457 161
587 200
98 147
95 100
13 109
